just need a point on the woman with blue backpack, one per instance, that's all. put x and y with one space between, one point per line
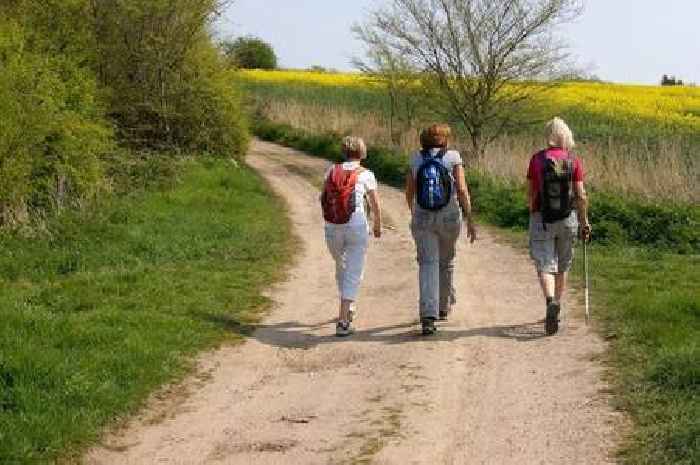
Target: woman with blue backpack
347 187
558 214
437 195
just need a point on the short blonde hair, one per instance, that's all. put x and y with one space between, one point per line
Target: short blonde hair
436 135
354 147
558 134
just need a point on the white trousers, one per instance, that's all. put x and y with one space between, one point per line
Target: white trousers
348 246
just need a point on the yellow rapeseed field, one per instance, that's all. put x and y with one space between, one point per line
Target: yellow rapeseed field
637 139
673 109
310 78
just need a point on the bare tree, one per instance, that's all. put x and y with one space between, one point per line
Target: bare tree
401 83
482 60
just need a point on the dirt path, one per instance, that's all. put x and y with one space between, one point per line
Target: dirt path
489 389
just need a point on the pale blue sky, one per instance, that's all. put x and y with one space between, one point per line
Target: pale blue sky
632 41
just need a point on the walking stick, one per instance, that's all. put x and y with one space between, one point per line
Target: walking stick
586 281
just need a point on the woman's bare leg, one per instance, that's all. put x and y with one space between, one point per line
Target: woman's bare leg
560 286
344 313
547 282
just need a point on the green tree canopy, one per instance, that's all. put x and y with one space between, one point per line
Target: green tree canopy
250 53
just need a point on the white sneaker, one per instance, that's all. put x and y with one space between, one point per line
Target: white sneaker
352 313
344 328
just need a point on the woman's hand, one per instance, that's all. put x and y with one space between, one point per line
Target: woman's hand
586 232
376 212
471 230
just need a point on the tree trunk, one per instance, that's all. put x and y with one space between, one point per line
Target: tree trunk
477 148
60 196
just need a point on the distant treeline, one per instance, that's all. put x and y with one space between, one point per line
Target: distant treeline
84 80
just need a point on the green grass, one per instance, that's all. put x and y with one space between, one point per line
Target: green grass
650 308
646 275
111 303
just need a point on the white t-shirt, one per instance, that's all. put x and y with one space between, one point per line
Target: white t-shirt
451 159
365 182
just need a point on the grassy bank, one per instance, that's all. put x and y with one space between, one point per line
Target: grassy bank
648 303
644 265
108 304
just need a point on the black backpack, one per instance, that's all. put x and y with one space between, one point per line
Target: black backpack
433 182
557 190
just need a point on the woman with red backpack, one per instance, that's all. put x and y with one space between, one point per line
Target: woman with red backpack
437 195
346 187
558 205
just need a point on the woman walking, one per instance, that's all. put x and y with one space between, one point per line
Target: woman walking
558 205
437 195
347 185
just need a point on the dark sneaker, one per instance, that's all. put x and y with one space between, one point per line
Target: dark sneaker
551 322
344 329
428 325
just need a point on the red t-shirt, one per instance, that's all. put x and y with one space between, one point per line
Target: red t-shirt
535 171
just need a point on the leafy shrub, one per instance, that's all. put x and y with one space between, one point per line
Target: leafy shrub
250 53
210 115
148 68
168 86
675 227
51 130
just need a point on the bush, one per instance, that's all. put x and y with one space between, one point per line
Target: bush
169 88
210 116
52 132
250 53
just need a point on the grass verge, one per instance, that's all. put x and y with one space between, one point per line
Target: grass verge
648 301
645 268
109 304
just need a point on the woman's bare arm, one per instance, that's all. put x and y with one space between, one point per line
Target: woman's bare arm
410 189
376 212
582 210
464 200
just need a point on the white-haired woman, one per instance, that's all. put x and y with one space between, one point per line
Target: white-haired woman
346 187
558 213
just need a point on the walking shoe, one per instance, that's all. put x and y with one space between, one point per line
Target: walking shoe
428 325
352 314
551 322
344 328
444 315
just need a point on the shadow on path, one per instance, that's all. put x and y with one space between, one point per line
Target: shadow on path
297 335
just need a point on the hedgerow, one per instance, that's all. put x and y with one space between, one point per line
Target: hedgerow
616 220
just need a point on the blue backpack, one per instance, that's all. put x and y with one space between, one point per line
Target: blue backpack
433 182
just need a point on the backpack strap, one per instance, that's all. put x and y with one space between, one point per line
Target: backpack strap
337 167
427 155
571 165
570 159
543 162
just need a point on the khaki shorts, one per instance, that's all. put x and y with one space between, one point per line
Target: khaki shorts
552 244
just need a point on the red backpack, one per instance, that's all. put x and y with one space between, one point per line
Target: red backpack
338 198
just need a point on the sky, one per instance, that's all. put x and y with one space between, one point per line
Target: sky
629 41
